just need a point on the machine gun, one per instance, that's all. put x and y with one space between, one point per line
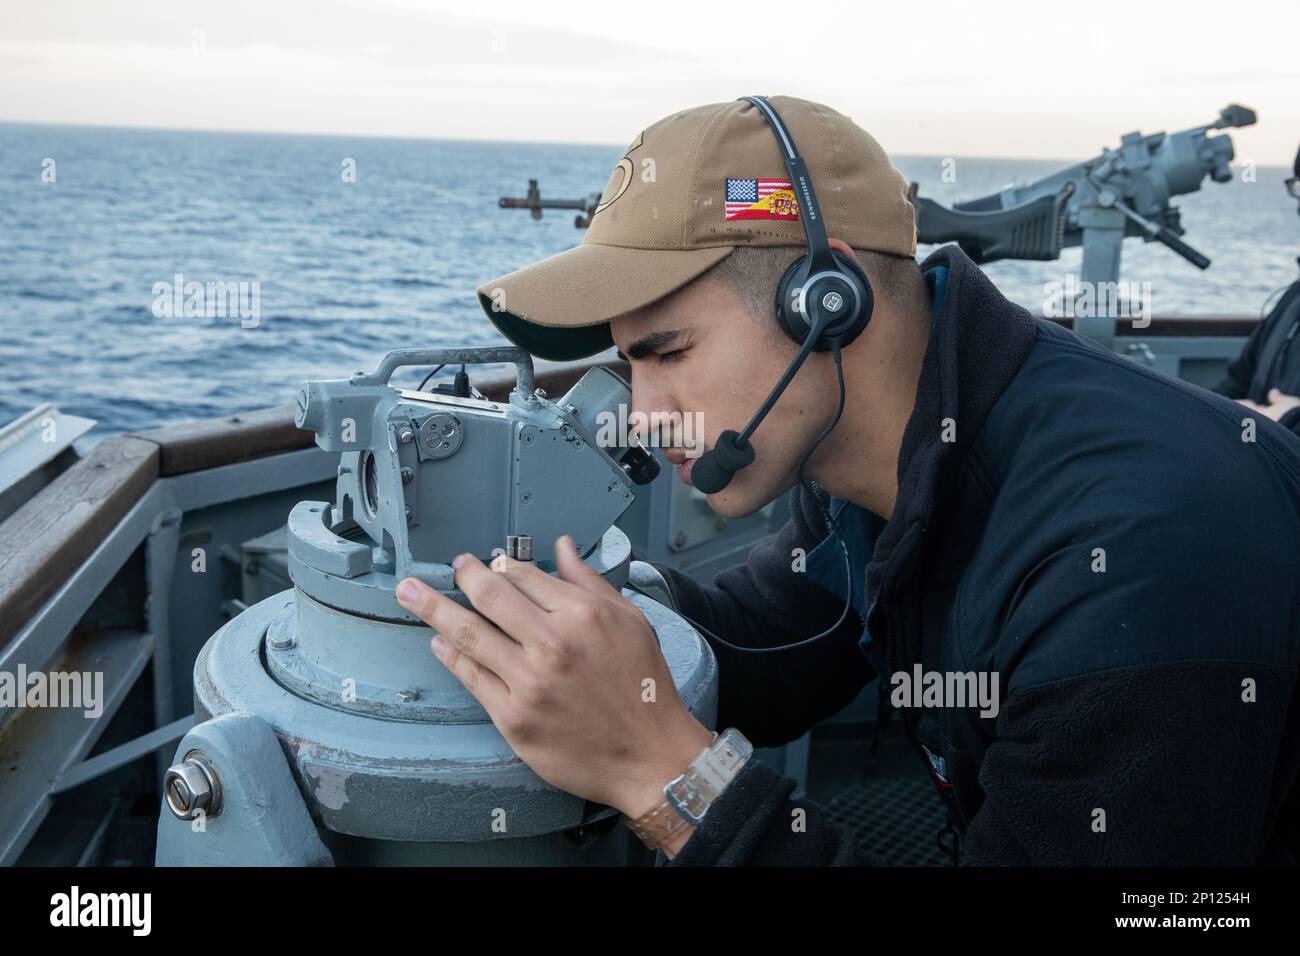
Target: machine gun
1124 192
535 203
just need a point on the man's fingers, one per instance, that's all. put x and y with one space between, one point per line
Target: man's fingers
496 598
489 689
461 629
545 590
577 571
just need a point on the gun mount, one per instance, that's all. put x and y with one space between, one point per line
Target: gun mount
1124 192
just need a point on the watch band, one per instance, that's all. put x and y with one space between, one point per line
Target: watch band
656 826
687 798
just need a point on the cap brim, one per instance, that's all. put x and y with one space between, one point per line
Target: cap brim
559 308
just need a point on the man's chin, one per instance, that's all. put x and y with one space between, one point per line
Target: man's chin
734 503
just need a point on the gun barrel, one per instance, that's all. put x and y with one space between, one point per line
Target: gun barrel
507 202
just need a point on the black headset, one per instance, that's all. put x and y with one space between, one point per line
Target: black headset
823 303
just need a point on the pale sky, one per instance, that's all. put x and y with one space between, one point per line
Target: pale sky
997 78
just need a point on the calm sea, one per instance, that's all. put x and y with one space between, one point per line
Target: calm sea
349 270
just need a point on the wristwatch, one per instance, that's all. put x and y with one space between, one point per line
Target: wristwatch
687 798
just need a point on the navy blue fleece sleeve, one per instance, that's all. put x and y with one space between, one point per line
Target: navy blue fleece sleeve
1077 777
775 698
754 823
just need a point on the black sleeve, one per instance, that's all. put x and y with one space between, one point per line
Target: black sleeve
1143 725
1092 772
1237 377
1235 383
1291 420
777 697
754 823
1084 772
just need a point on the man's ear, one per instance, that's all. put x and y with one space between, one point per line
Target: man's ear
842 247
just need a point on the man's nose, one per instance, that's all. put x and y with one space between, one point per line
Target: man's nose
650 407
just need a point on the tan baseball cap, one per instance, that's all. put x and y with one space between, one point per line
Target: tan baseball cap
687 191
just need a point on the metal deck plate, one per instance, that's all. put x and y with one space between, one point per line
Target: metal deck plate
897 819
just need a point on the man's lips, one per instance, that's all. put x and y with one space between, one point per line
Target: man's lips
684 470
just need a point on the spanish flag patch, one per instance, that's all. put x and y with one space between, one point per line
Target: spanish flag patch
761 199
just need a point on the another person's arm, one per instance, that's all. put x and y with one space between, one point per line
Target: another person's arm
1240 373
1237 377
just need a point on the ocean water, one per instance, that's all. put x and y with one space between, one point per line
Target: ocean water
349 270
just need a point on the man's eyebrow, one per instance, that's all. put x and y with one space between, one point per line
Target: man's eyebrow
647 344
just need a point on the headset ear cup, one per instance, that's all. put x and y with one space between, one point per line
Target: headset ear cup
853 326
842 331
793 323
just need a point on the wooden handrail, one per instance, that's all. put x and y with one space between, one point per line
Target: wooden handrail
1166 327
210 442
49 536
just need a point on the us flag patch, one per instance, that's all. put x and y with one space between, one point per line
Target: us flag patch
761 199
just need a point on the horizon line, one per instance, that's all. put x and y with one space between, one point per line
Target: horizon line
450 139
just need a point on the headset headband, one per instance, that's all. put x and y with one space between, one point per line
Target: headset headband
820 258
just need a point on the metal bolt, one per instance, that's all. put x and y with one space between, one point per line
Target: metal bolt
564 429
680 539
191 788
410 514
407 475
406 436
408 695
526 497
282 640
539 392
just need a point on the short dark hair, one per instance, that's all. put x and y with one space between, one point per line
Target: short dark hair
753 273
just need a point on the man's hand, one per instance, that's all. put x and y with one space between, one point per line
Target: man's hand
569 671
1279 403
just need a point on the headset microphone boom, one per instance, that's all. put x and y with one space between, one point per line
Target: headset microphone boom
823 303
